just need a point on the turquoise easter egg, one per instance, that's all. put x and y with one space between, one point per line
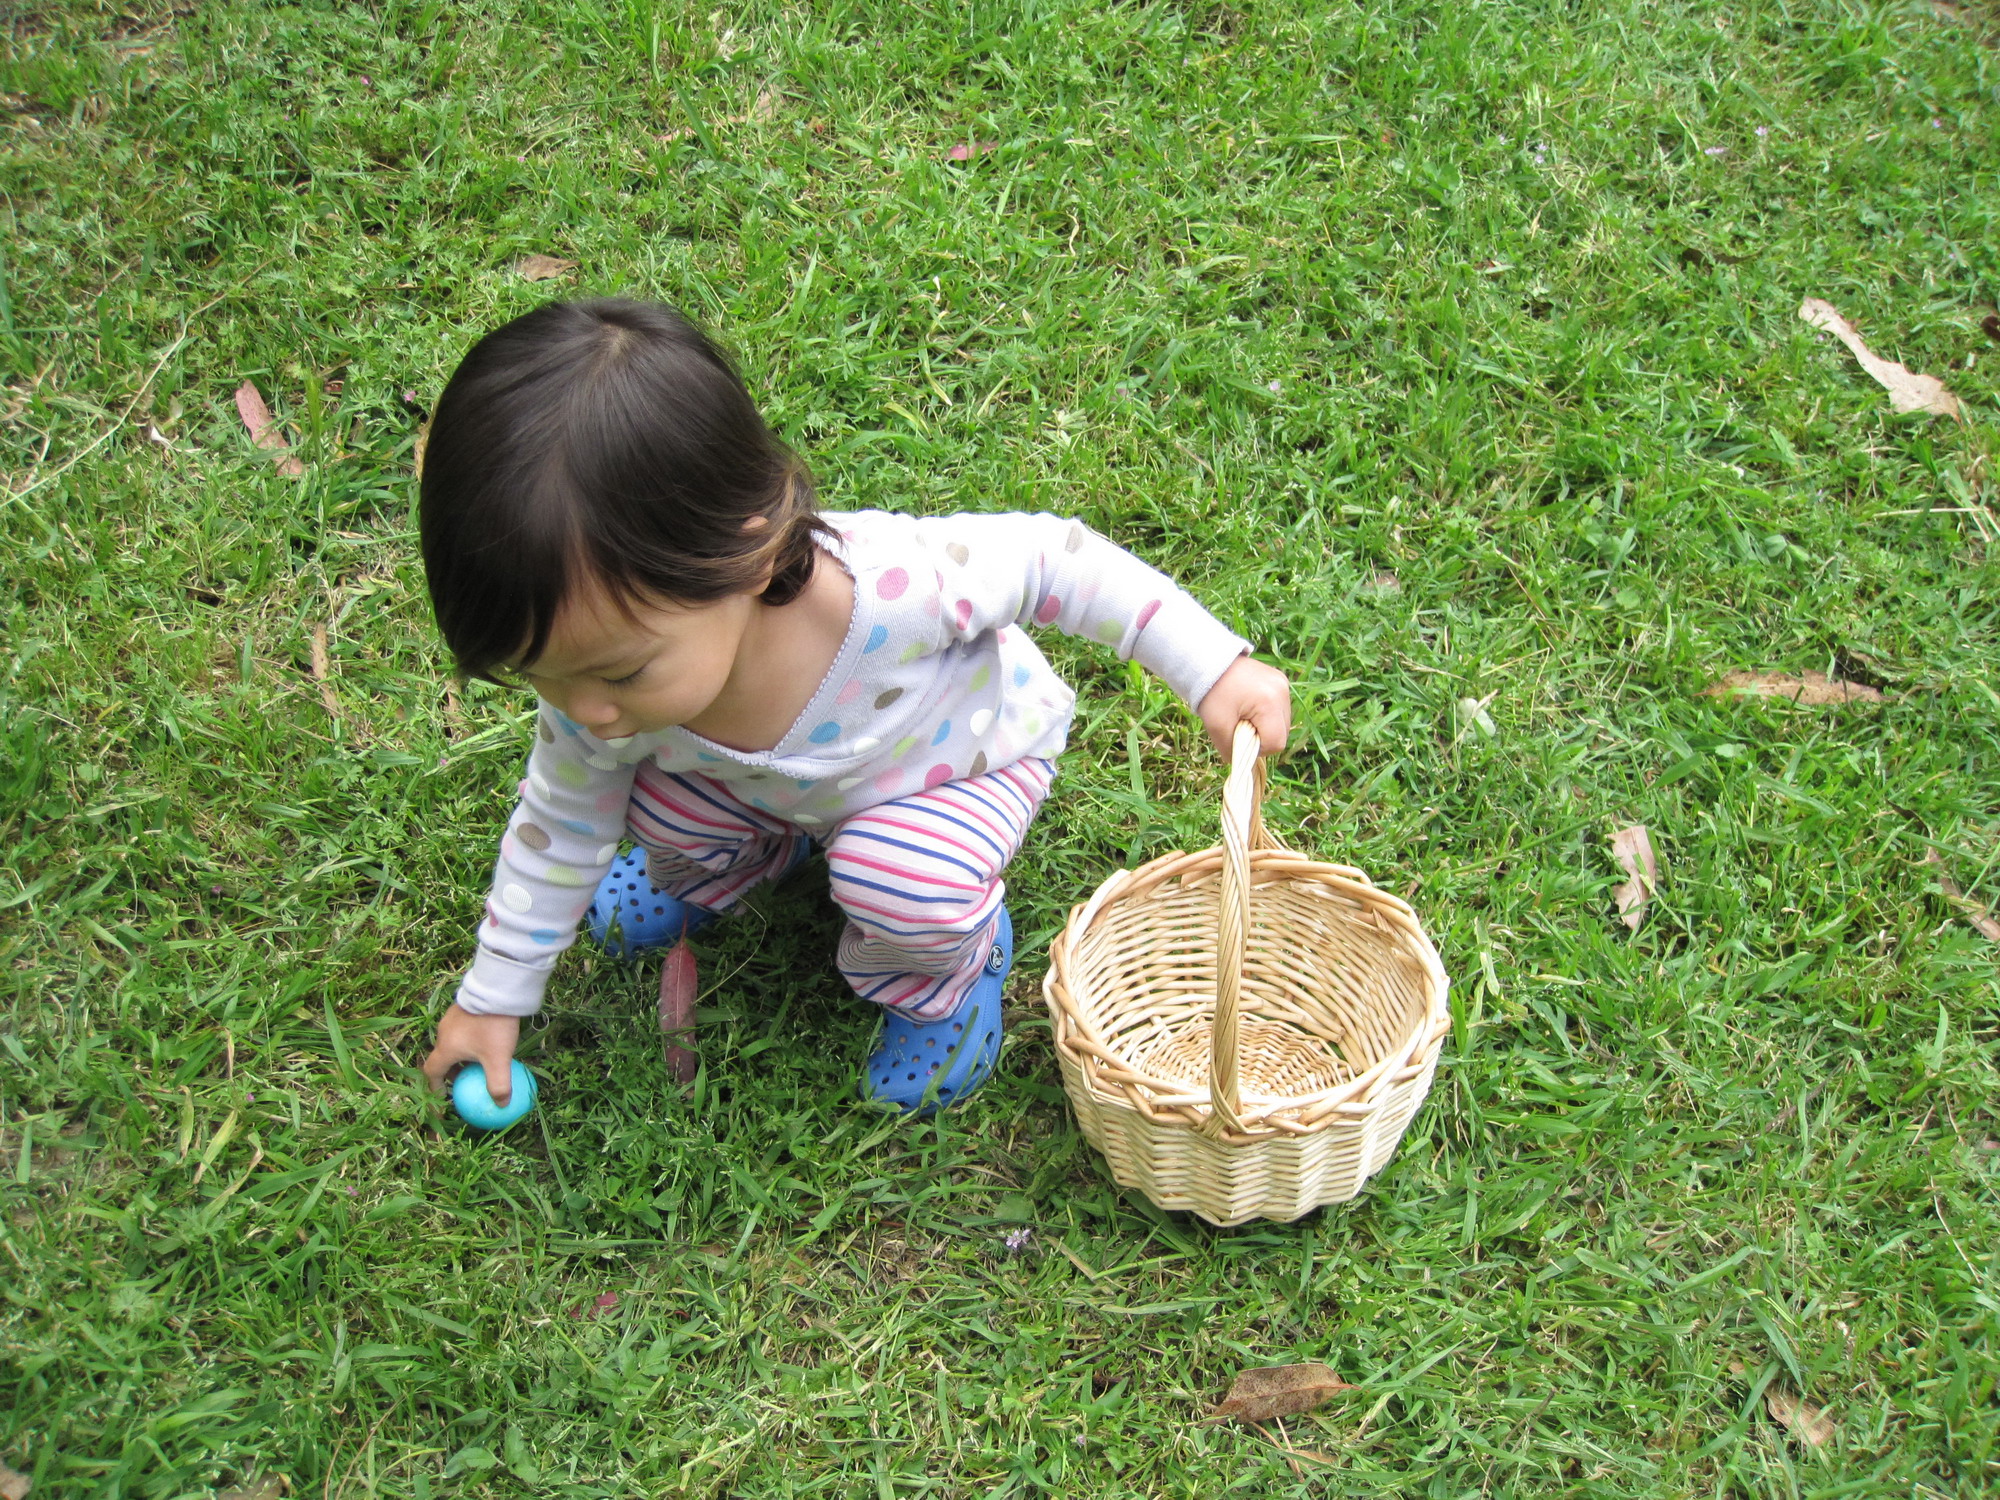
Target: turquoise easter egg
475 1105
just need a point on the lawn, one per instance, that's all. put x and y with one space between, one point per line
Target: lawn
1451 352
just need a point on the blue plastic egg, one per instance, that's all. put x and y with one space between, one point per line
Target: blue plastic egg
475 1105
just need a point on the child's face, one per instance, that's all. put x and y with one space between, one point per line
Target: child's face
619 671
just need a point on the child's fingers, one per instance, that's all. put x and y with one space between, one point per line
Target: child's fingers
499 1065
438 1066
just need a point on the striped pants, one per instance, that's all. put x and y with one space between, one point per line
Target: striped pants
919 877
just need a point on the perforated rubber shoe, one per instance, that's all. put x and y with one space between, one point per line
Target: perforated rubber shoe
922 1068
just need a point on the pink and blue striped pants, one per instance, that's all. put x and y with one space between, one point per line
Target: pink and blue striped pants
918 877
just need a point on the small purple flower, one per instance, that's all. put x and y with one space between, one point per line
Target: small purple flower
215 890
249 1098
1936 123
1763 130
1017 1240
1276 386
1715 151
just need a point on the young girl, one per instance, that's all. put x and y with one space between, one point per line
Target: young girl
729 678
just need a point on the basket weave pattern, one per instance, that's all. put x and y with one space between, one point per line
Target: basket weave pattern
1245 1032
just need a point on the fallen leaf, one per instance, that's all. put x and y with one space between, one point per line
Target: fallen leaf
678 985
1798 1417
1977 915
1907 390
1991 324
322 671
606 1301
966 150
1387 582
1812 689
1633 850
764 110
1472 714
262 1487
542 267
13 1486
263 429
1279 1391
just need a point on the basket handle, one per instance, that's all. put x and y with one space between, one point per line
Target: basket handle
1242 830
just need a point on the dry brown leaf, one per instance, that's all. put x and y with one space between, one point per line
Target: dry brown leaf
1633 850
765 110
1279 1391
542 267
1977 915
1812 689
263 1487
264 432
1907 390
13 1485
678 987
1798 1417
322 668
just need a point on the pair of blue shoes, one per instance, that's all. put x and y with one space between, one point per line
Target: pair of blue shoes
918 1067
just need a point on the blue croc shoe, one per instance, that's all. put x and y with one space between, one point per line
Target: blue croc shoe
648 918
645 918
921 1068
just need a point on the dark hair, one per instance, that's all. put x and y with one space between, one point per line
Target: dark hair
607 442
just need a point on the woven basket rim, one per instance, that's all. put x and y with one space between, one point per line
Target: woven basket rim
1347 1101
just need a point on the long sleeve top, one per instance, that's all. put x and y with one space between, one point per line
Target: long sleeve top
935 681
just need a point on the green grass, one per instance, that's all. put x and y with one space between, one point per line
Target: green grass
1428 342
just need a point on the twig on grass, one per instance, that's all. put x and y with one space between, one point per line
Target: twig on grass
1293 1455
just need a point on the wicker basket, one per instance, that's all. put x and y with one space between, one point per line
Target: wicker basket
1245 1032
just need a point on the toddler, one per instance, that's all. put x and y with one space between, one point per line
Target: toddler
729 677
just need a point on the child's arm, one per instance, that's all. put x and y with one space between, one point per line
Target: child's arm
1013 569
558 844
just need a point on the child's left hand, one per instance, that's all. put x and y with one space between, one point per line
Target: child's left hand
1248 690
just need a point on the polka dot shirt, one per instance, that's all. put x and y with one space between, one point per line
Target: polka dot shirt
935 681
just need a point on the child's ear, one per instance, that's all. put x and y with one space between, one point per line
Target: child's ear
751 527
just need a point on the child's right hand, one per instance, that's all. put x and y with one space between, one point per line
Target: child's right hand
487 1040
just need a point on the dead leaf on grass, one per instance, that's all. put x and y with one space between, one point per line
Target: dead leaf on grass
1908 391
322 671
1799 1417
1977 915
678 987
256 415
1279 1391
542 267
263 1487
966 150
765 110
13 1485
1811 689
1633 850
1991 324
